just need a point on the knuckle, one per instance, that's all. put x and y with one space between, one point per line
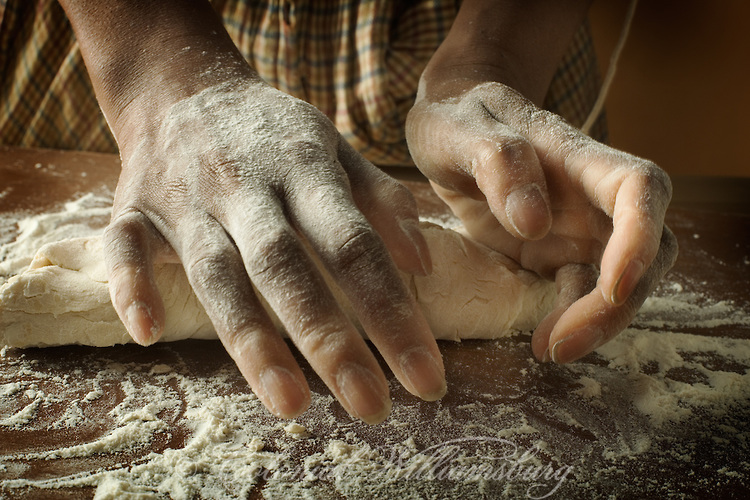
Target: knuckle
325 191
206 252
128 240
205 262
669 246
244 337
127 222
398 195
546 118
355 249
656 179
271 252
389 193
310 150
322 339
507 150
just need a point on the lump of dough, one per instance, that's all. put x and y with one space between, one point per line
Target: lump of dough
62 298
475 292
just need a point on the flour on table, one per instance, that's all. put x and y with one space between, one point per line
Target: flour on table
167 430
296 430
233 445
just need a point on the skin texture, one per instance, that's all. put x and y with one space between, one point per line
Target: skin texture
229 176
531 186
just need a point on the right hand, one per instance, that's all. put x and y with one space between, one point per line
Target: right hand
231 181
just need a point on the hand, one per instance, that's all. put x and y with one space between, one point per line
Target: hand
528 184
231 181
231 177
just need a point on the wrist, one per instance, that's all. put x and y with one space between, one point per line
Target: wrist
514 42
171 49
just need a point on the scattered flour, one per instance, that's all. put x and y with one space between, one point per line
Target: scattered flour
296 431
591 387
172 429
24 235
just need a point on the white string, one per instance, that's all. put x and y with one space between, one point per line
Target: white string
611 70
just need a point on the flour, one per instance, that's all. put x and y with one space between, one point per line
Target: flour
232 444
296 431
22 235
683 308
218 449
590 387
157 423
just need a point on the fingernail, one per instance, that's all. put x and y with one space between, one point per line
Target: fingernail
424 374
414 233
528 211
140 324
284 393
554 356
576 346
546 357
627 281
363 393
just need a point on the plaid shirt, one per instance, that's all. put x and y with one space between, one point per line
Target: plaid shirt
358 61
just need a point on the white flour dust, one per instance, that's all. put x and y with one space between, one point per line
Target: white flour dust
21 236
173 429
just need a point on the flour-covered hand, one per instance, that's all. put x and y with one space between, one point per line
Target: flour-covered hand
237 180
233 179
530 185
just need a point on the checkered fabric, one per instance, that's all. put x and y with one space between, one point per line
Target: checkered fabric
46 99
358 61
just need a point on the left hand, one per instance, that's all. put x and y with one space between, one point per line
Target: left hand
528 184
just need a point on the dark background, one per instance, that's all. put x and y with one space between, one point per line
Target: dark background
681 96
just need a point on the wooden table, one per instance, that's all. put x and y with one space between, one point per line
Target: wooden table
589 418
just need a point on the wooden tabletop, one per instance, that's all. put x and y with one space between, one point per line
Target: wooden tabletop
601 417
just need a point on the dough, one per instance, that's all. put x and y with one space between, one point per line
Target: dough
62 298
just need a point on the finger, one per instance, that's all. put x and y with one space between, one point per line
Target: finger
638 219
592 321
491 161
576 235
217 274
633 191
359 262
283 272
391 209
509 175
130 247
573 281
